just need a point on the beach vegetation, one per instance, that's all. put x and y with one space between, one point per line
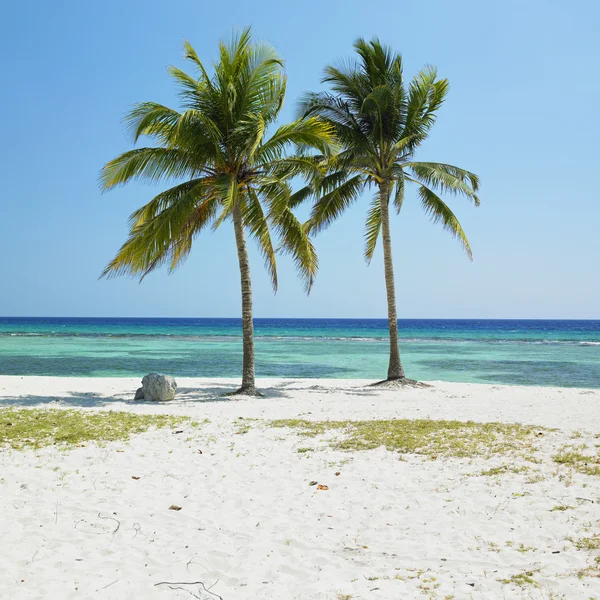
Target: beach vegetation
504 469
535 477
522 548
411 573
532 458
587 543
591 570
520 494
522 579
421 436
577 460
227 163
22 428
241 428
381 120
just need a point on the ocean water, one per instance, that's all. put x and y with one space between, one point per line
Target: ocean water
558 353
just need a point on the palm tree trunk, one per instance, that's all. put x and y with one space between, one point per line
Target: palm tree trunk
248 381
395 370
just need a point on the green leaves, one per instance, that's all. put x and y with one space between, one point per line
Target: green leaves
372 228
399 194
380 123
439 212
257 224
150 164
152 119
330 206
162 231
223 153
425 96
304 133
295 241
447 178
219 160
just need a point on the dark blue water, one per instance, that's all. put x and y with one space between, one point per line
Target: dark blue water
565 353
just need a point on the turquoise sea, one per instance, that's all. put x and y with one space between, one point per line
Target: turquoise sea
560 353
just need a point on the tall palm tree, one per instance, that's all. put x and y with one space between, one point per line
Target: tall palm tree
380 123
224 166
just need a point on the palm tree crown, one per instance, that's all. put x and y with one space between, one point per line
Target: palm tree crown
223 164
380 123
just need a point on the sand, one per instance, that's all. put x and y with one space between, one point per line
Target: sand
75 524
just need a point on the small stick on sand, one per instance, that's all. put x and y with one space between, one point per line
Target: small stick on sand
171 584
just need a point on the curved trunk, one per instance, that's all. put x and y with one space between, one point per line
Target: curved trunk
248 381
395 370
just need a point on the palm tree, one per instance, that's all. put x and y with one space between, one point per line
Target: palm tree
224 166
380 124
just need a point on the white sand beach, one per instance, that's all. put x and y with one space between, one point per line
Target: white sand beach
94 521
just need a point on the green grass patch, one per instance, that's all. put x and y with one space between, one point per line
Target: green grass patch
582 463
427 437
589 543
34 428
309 428
503 469
523 548
521 579
591 571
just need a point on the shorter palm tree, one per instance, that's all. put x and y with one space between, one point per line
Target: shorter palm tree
225 167
380 124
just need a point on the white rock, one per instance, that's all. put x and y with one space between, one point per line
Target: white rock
157 387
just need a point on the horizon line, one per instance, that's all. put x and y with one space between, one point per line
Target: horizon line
314 318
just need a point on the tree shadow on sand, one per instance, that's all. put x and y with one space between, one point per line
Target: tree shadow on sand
185 395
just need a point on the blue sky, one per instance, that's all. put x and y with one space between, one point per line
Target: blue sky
522 113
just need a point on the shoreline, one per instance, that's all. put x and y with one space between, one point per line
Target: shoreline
565 408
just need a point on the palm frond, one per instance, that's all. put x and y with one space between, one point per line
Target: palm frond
300 196
372 228
447 178
426 95
311 132
152 119
439 212
190 54
295 241
227 190
331 205
165 237
149 164
197 220
311 168
256 222
167 199
189 89
399 192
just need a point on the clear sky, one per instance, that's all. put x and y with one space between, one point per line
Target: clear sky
522 113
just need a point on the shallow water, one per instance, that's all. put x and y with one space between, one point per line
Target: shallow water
560 353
